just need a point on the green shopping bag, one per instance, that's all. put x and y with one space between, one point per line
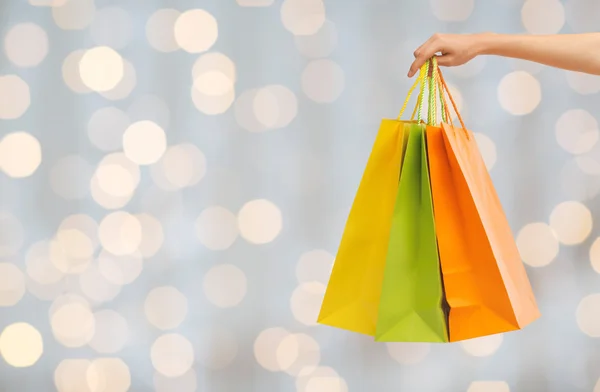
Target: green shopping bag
411 306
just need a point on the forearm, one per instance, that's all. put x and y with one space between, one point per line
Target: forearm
573 52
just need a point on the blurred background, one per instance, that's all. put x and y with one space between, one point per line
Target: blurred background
175 177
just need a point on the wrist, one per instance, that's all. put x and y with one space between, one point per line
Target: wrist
485 43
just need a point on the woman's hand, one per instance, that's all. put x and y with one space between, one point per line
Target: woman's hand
455 49
572 52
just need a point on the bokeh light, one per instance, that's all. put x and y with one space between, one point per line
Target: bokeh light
571 221
323 81
26 44
266 347
73 14
483 346
181 166
111 332
12 284
172 355
165 307
543 16
225 285
108 374
588 315
216 228
101 68
538 244
20 154
260 221
130 181
519 93
196 30
144 142
73 324
14 97
298 354
322 379
306 302
120 233
21 345
303 17
583 83
160 30
275 106
577 131
70 72
106 128
125 86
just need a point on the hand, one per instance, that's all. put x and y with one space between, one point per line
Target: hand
455 49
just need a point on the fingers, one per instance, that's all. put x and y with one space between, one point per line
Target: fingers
424 53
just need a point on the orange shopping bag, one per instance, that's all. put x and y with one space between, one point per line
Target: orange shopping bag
485 281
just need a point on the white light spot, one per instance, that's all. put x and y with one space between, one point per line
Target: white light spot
303 17
225 285
588 315
519 93
144 142
26 44
483 346
275 106
323 81
20 154
12 284
260 221
73 14
111 332
165 307
572 222
14 97
120 233
160 30
537 244
172 355
73 324
21 345
196 31
101 68
543 16
577 131
216 227
306 302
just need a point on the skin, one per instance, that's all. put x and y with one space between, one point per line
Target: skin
572 52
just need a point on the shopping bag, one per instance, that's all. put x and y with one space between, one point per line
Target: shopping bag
352 295
353 292
410 308
486 284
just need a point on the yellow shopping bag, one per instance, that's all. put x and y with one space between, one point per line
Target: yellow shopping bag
351 301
